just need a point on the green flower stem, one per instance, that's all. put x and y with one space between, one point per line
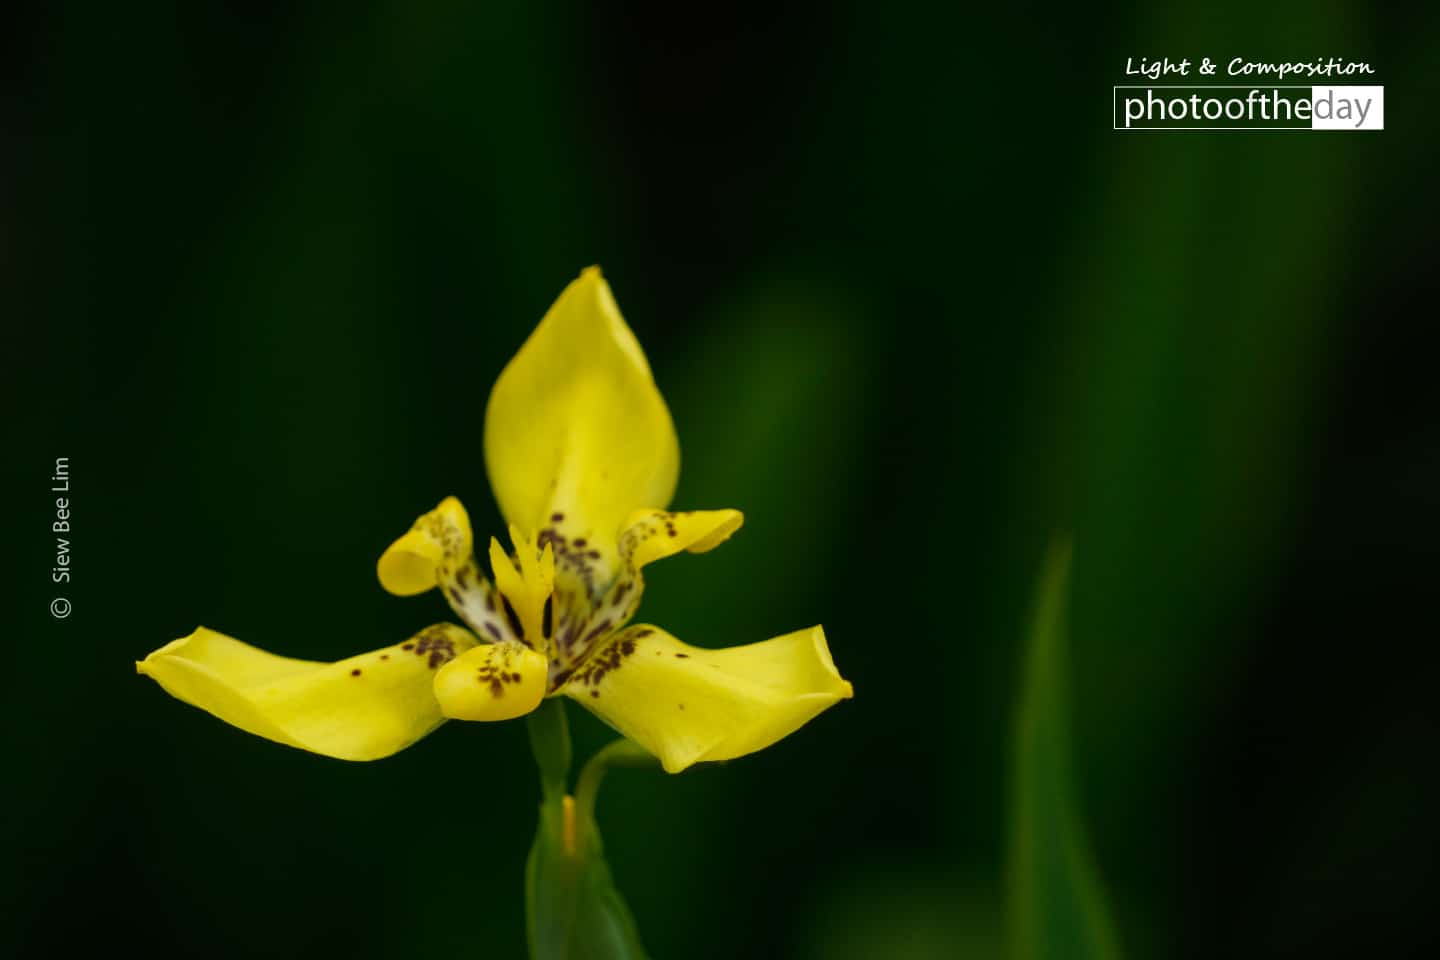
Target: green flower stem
621 753
572 909
551 875
550 742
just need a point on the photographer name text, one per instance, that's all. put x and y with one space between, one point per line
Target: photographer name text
60 573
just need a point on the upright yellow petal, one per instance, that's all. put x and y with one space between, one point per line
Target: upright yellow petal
363 708
577 435
686 704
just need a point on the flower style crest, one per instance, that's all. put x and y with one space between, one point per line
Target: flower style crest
583 459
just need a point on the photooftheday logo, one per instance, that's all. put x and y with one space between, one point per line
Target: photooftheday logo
1273 107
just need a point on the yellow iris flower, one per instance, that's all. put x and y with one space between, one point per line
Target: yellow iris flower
583 459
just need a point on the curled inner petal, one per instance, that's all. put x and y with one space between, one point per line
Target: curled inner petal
437 551
495 681
440 538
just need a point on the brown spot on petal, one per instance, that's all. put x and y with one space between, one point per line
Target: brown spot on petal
437 644
604 661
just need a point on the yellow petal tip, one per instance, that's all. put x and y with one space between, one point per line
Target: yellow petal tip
843 689
145 667
727 522
651 535
408 567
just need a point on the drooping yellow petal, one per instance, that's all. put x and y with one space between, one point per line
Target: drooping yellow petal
686 704
362 708
495 681
652 535
576 432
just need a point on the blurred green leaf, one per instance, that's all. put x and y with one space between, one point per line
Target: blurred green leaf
574 910
1056 905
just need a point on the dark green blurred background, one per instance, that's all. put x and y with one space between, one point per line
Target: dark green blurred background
915 307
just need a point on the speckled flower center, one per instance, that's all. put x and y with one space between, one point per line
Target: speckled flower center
596 592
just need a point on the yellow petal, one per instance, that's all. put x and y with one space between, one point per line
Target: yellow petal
363 708
495 681
576 427
437 551
584 617
652 535
686 704
440 538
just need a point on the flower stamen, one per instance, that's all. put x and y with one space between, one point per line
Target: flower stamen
525 591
